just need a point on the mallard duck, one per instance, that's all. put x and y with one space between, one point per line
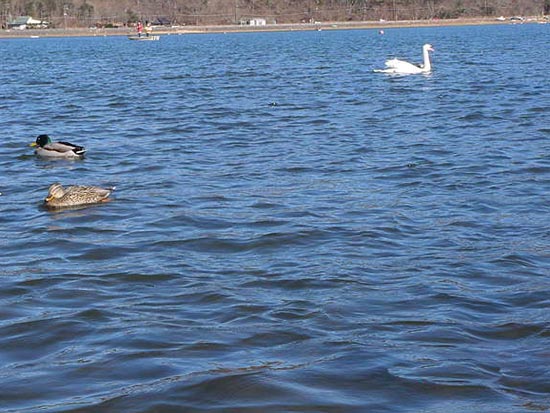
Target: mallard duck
76 195
45 147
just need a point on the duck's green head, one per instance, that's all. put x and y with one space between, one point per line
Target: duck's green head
41 141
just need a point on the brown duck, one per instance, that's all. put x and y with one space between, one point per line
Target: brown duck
76 195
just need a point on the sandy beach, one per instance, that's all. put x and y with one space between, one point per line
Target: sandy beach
180 30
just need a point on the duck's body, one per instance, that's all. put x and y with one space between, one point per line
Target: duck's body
62 150
77 195
396 66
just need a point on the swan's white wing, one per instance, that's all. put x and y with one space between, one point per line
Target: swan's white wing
400 66
392 63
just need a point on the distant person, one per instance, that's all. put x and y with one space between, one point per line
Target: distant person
139 28
148 28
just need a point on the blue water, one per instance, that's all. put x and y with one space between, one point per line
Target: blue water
291 232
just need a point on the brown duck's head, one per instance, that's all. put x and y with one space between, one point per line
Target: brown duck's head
55 191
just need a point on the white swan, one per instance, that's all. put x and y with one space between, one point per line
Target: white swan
401 67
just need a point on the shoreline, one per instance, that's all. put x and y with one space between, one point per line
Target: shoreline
180 30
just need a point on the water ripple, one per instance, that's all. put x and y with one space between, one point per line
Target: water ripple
290 231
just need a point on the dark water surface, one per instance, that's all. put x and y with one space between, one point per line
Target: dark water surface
290 232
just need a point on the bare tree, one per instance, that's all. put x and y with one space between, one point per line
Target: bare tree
83 12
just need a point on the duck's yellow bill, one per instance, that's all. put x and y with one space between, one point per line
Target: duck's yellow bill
33 144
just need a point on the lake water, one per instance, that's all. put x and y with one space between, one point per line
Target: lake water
291 232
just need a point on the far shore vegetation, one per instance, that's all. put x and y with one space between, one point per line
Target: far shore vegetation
122 13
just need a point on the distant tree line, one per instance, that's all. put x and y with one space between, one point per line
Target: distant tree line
82 13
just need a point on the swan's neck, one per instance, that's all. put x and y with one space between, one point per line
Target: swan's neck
427 67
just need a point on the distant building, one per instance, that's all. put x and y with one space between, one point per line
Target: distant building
27 22
254 21
257 21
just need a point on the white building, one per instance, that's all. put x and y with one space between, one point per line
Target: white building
257 21
24 22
